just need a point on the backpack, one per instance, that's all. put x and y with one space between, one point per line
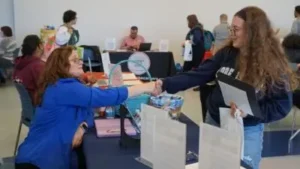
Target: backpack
208 40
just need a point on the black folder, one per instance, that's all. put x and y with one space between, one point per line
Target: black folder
250 91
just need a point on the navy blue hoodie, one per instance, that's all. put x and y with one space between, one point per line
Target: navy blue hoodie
274 106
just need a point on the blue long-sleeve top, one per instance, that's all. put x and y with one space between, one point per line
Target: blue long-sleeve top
66 104
274 106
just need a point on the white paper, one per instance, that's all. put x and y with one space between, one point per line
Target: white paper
170 144
164 46
195 166
129 76
239 97
110 44
187 54
233 124
105 62
192 166
149 115
218 148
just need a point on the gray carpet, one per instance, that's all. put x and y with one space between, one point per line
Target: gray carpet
7 163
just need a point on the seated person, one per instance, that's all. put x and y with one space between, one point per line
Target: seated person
29 66
133 41
291 45
64 112
8 44
7 47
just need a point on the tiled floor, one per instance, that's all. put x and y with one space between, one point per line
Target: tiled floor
10 115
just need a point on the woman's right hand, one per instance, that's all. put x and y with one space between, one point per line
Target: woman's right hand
152 87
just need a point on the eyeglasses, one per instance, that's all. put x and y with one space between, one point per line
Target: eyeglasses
76 60
234 29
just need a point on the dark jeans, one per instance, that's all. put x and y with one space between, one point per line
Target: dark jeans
204 93
80 159
296 98
25 166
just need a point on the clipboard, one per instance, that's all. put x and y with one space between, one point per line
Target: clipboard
239 85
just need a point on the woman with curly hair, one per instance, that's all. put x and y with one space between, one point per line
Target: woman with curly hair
253 56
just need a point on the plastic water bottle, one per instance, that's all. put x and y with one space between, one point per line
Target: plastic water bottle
109 113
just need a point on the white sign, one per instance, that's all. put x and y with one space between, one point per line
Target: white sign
233 124
170 144
142 59
218 148
110 44
188 51
149 114
164 46
105 62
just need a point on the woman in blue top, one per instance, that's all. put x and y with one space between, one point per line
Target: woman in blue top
64 111
255 57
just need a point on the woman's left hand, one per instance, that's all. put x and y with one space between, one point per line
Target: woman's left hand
89 80
77 139
233 109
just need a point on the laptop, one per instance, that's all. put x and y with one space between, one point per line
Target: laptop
145 47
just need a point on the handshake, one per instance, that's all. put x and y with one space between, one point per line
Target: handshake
154 88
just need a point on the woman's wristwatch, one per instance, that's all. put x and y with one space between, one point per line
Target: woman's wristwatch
84 127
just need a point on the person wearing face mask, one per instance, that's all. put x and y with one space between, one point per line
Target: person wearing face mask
29 66
7 46
67 34
254 56
64 112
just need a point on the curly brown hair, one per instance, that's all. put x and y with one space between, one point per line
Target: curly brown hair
56 67
261 61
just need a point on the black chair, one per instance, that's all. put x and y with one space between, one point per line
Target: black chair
91 57
27 111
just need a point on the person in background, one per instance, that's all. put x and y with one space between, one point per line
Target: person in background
7 47
133 41
64 112
253 56
291 45
196 37
29 66
67 34
209 40
221 32
296 23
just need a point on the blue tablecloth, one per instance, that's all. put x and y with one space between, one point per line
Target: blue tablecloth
105 153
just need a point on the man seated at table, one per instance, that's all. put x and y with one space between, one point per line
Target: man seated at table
133 41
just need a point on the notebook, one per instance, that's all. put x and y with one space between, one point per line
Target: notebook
111 127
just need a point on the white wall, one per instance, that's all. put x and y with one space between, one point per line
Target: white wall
6 13
157 19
